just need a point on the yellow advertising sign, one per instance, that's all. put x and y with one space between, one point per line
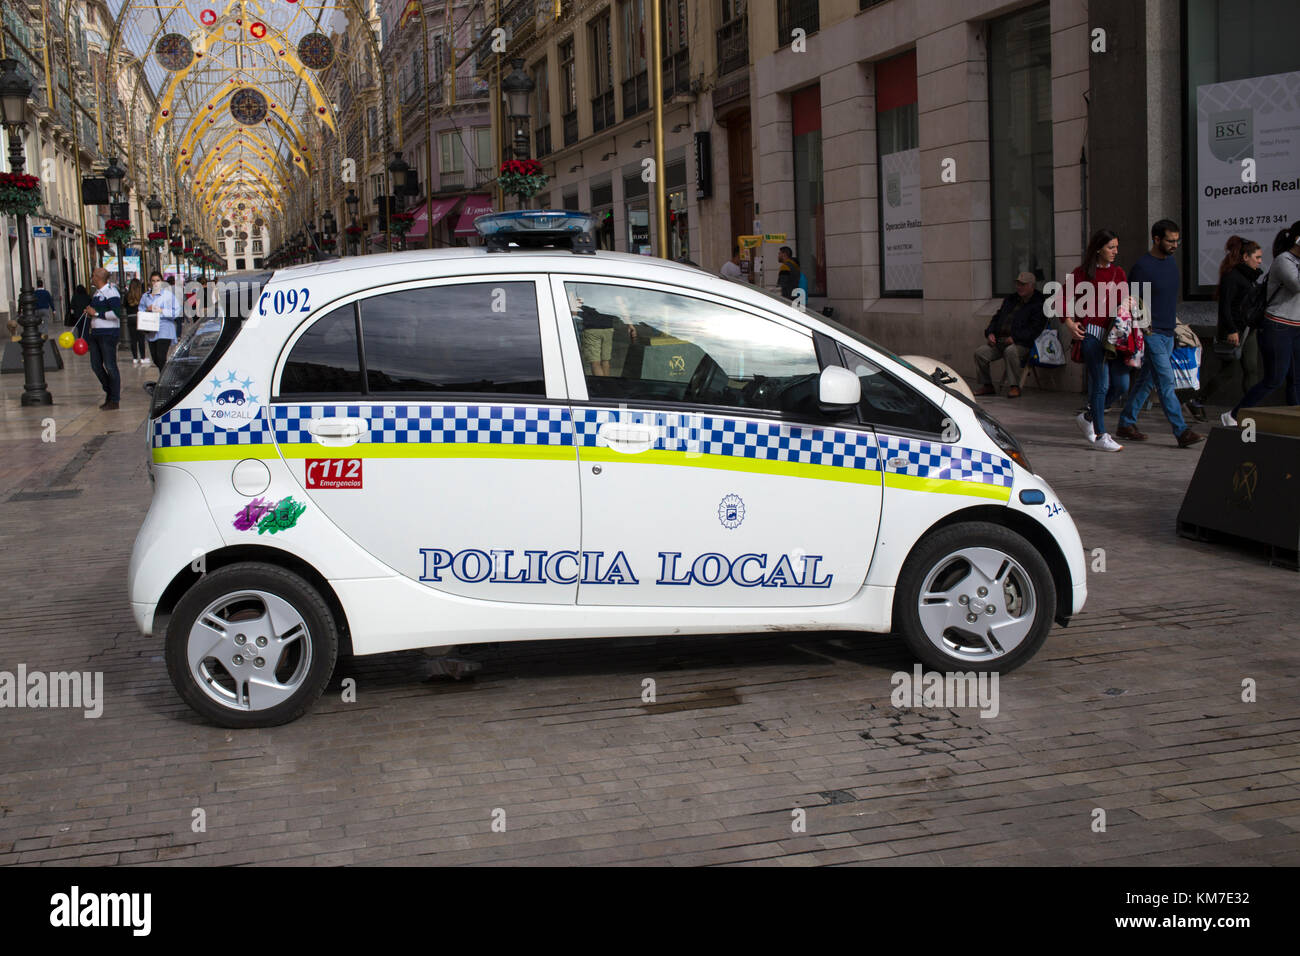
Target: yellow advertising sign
774 237
749 242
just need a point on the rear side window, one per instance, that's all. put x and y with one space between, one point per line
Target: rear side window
325 360
478 337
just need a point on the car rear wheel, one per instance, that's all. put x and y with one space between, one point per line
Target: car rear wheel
974 596
251 645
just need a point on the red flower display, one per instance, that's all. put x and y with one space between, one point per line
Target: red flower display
20 194
521 177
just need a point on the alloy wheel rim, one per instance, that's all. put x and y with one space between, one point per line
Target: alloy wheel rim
249 650
977 604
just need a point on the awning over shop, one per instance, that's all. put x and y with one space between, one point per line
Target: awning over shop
430 214
476 204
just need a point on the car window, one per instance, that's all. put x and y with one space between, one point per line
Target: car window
324 359
473 337
887 402
642 344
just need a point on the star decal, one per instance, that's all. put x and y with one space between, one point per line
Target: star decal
232 378
216 382
211 396
247 383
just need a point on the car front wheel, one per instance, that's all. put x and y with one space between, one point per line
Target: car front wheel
251 645
974 596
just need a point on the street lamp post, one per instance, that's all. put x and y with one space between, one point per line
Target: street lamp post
518 87
14 90
173 234
114 175
398 169
329 228
352 202
154 205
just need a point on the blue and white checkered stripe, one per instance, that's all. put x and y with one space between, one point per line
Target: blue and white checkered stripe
738 438
923 459
434 424
186 427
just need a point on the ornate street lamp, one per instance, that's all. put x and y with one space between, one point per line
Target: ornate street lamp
154 205
353 236
173 235
14 90
518 88
115 176
398 171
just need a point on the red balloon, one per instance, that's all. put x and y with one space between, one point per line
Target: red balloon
81 346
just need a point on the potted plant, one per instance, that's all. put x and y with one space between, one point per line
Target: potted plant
118 231
522 178
20 194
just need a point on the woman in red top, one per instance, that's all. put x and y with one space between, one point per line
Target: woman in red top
1099 288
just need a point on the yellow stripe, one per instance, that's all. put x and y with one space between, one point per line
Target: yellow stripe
759 466
213 453
947 486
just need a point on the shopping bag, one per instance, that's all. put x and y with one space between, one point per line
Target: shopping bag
147 321
1047 350
1186 362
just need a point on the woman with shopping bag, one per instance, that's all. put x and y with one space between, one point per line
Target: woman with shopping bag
157 316
1099 287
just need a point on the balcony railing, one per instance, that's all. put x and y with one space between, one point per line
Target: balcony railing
570 127
602 110
733 45
484 175
636 94
796 15
542 140
452 180
677 74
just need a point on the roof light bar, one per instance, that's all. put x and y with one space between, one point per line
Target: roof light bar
538 229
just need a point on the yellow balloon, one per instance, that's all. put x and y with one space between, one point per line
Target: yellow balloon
66 340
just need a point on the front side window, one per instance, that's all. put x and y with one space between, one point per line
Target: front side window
479 337
889 404
641 344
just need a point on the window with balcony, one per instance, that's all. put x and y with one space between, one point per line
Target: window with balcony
451 165
794 15
733 37
542 122
569 93
484 169
636 82
676 65
602 73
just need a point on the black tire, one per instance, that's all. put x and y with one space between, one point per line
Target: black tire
938 554
226 697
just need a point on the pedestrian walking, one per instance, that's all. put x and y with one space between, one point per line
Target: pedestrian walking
1099 285
162 302
76 306
1235 341
1279 335
44 306
1154 281
104 314
130 307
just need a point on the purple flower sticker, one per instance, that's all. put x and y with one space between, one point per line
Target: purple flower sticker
247 517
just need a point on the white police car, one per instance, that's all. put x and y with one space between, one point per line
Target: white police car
521 443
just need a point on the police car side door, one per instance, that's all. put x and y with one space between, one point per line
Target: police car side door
708 477
428 421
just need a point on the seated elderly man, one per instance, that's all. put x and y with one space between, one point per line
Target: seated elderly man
1010 335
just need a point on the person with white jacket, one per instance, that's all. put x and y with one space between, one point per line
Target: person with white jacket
160 300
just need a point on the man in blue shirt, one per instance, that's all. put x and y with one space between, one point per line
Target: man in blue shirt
44 305
1154 281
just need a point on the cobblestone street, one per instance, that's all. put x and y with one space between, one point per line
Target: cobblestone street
1135 709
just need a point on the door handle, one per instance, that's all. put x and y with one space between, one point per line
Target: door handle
627 437
336 432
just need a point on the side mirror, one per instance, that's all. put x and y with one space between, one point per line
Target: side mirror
838 389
